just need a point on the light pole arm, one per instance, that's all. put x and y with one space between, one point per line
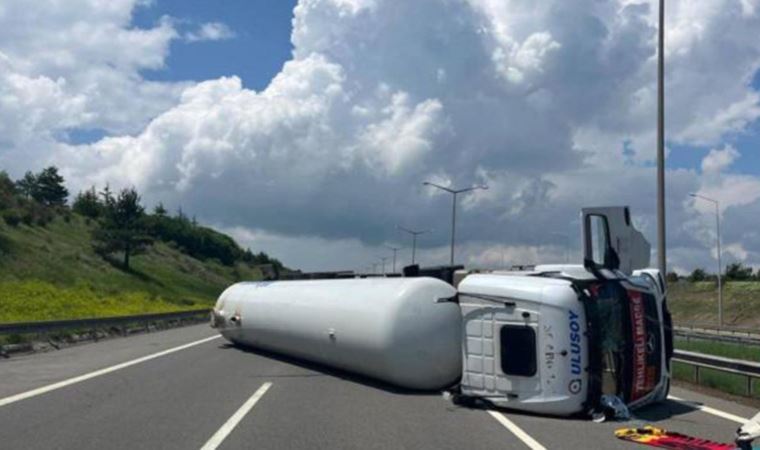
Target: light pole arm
443 188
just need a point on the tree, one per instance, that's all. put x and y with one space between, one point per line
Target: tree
181 215
50 190
672 277
737 272
8 202
107 195
159 210
698 275
7 191
87 204
27 186
123 228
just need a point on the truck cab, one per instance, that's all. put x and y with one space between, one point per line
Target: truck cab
557 339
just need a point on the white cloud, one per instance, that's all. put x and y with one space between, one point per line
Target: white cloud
210 31
403 136
718 160
737 251
728 189
551 103
75 65
521 60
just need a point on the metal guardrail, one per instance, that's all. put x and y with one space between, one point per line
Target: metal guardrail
723 330
44 327
748 369
749 336
739 339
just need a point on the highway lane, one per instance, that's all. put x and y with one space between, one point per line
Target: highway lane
21 373
180 400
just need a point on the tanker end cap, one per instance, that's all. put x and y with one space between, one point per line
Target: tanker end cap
218 320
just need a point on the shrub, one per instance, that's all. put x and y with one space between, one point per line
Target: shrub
88 204
698 275
738 272
12 217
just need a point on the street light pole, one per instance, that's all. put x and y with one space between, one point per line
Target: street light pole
394 249
453 224
383 259
454 193
720 263
661 256
414 234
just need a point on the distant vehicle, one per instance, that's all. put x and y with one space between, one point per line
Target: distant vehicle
553 339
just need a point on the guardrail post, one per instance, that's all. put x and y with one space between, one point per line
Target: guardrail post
696 374
750 381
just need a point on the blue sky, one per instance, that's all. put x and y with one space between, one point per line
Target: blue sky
255 54
747 143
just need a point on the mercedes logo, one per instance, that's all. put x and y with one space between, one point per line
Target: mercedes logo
651 343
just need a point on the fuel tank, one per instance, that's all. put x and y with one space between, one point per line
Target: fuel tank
405 331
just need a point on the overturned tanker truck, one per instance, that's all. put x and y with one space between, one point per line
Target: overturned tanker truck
555 339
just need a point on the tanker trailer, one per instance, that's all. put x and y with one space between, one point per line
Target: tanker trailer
405 331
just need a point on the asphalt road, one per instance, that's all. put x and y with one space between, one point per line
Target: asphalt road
178 389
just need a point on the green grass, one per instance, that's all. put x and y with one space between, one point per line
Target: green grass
726 382
725 349
52 273
722 381
45 301
698 302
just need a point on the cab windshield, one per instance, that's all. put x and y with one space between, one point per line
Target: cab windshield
607 316
626 339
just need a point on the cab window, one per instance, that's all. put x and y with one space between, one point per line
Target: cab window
518 350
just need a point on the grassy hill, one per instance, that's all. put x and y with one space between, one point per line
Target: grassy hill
698 302
52 272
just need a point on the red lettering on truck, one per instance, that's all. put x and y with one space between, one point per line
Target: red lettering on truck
642 383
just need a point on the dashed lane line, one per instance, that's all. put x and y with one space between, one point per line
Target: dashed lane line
222 433
78 379
517 431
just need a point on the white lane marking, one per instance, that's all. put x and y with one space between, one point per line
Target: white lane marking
517 431
97 373
232 422
709 410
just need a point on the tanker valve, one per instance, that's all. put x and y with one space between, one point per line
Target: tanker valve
217 319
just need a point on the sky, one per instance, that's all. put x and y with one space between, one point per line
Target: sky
306 128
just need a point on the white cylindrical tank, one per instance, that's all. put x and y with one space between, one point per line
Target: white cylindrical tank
400 330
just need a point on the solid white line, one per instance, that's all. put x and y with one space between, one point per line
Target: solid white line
517 431
709 410
232 422
97 373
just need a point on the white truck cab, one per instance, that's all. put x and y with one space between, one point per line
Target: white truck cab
557 338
